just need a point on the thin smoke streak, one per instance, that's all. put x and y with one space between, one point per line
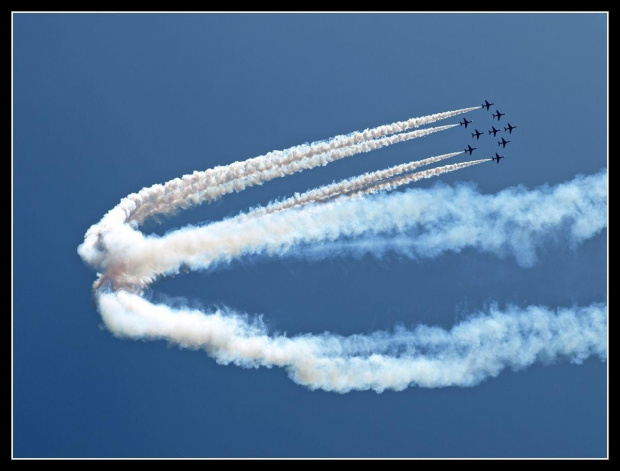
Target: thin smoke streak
347 186
414 177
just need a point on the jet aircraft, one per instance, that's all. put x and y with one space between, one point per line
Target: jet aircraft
510 128
477 134
469 149
503 143
487 105
497 157
499 114
494 131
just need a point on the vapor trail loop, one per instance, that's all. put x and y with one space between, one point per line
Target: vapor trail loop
355 215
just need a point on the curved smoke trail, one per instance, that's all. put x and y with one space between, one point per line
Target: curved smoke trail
515 221
205 186
479 347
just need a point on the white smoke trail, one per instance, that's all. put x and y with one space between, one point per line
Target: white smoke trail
194 192
514 222
477 348
209 185
349 185
414 177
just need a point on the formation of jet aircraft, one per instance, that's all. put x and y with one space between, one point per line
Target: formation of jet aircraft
498 114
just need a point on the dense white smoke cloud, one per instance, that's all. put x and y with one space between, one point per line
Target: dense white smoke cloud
477 348
443 218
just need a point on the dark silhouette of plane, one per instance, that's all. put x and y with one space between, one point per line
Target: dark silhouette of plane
510 128
494 131
477 134
503 142
499 114
465 122
486 105
497 157
469 149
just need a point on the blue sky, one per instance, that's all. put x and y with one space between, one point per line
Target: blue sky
104 105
